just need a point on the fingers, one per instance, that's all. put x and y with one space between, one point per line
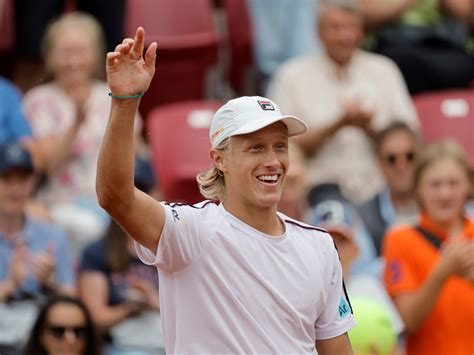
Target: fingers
150 56
139 43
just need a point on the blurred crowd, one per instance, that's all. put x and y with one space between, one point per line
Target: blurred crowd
399 206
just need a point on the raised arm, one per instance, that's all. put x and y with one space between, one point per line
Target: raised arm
128 74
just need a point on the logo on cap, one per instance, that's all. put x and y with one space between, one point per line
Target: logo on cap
266 105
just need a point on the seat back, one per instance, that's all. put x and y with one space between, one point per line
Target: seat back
448 114
179 140
187 47
239 30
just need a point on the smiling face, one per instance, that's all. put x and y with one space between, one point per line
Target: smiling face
72 57
443 189
255 166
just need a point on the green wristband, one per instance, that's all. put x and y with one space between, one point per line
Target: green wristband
136 96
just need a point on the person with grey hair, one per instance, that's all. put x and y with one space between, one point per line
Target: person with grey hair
344 95
235 277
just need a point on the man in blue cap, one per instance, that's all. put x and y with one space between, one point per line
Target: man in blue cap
34 256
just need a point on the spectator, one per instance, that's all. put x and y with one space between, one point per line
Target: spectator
283 29
430 267
34 256
343 95
13 124
70 116
63 326
31 20
396 147
116 286
327 199
337 218
427 39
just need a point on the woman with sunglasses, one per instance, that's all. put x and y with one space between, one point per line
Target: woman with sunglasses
63 327
430 267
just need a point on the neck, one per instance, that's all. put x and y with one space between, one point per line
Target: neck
264 220
10 225
402 200
453 228
71 89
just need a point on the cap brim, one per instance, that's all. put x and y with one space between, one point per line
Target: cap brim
295 125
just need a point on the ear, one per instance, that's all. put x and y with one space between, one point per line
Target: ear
218 159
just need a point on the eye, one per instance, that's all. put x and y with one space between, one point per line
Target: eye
281 147
256 148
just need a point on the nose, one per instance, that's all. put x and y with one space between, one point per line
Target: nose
70 336
271 159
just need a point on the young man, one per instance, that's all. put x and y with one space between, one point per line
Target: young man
236 277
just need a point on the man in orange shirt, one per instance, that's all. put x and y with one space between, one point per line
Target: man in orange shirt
430 268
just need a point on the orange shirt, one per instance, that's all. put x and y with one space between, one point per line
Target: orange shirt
449 328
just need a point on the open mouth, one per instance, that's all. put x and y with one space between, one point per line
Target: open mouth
269 179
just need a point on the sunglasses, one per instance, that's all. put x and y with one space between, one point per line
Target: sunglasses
59 332
392 159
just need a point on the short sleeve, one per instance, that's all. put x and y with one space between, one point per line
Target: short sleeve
399 273
93 257
336 317
185 234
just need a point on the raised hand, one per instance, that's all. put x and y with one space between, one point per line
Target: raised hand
128 73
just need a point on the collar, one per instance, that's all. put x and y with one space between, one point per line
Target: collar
24 234
335 70
440 233
387 210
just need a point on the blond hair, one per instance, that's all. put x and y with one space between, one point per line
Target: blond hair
87 24
212 183
435 152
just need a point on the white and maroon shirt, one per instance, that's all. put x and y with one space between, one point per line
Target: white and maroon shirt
225 287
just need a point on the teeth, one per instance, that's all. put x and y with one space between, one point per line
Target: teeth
268 178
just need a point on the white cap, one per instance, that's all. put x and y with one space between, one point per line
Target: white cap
248 114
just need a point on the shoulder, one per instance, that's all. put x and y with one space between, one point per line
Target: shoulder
45 230
400 237
7 88
298 66
203 208
41 92
376 61
308 232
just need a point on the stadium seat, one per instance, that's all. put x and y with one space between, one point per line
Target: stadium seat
7 24
187 47
448 114
179 141
239 30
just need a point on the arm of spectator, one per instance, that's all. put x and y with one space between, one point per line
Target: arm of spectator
93 290
18 271
139 214
338 345
57 149
354 115
415 306
150 293
460 10
377 13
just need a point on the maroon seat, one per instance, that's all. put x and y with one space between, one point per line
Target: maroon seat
239 29
7 26
448 114
179 141
187 46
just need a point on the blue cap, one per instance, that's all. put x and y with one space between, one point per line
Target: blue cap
15 156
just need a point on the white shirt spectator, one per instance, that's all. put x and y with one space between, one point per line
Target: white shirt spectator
315 89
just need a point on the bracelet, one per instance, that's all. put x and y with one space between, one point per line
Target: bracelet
136 96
